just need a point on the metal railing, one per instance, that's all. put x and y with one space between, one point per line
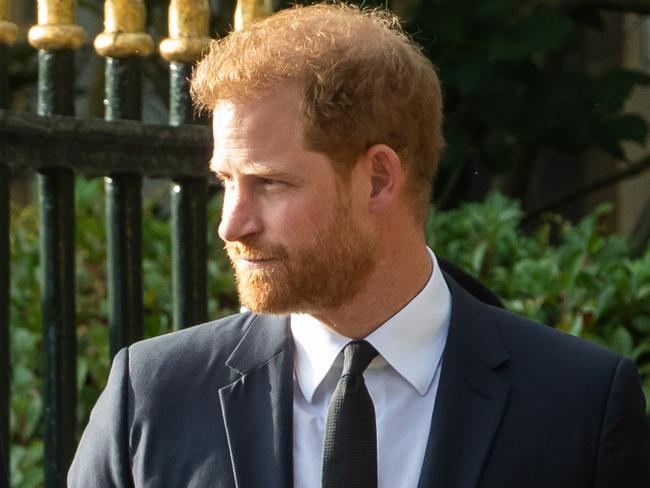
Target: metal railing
58 146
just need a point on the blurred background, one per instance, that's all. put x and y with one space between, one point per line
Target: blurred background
543 192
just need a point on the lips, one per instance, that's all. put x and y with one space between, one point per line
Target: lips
253 263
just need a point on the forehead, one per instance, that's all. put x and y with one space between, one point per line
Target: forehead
261 129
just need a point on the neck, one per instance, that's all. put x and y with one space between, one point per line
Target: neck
400 275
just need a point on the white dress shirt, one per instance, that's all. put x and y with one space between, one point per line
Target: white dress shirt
402 382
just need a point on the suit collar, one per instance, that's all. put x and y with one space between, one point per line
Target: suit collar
265 337
474 329
257 406
471 396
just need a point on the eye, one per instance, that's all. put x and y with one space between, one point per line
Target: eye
268 181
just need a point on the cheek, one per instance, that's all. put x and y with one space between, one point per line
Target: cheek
302 221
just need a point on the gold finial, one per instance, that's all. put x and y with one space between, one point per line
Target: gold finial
56 28
188 30
249 10
8 30
124 24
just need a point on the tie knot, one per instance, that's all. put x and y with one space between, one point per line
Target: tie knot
357 355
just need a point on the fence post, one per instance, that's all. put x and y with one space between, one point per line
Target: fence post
57 37
123 43
188 37
8 33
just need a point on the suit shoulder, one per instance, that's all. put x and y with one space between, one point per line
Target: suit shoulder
221 332
529 337
178 353
489 329
555 361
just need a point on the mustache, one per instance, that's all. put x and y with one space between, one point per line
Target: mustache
254 251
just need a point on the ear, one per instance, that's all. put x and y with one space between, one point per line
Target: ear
386 176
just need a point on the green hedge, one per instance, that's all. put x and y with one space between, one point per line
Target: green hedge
576 278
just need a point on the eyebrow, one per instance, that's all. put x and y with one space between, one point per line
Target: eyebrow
254 168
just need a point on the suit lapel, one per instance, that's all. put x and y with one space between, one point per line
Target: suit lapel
257 408
471 397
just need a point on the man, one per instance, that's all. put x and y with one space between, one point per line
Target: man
327 132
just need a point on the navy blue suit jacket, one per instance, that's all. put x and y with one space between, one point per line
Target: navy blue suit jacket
519 405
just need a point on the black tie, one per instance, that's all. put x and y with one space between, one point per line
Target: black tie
350 447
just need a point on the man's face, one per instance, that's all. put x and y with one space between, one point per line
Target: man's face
294 231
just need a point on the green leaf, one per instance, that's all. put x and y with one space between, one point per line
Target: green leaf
26 465
642 324
576 326
622 342
477 257
643 292
640 350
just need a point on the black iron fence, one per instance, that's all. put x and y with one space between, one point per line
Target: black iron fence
58 146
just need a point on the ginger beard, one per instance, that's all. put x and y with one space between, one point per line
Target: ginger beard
322 276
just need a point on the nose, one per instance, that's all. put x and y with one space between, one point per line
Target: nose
240 216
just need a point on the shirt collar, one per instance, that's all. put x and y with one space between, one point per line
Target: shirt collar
411 341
